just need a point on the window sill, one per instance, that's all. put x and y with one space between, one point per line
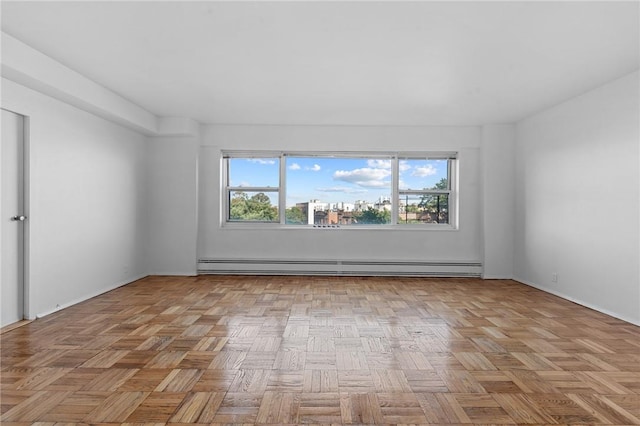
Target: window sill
336 228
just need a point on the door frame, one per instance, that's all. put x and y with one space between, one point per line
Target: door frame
26 200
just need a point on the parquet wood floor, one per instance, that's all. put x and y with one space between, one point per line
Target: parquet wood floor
322 350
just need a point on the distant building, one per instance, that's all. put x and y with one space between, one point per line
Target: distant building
384 203
333 217
361 205
318 213
310 208
345 207
340 213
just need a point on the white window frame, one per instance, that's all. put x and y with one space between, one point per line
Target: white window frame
228 189
394 157
451 179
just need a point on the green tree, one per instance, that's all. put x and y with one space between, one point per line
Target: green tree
412 208
373 216
443 184
256 208
238 207
436 205
295 216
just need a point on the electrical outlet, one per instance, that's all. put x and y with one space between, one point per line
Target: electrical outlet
554 277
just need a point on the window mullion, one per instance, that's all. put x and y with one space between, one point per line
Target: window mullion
253 188
282 196
227 192
453 191
395 197
423 191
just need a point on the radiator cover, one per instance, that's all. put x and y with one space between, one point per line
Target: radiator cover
340 267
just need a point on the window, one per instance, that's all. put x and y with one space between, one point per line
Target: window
328 191
252 188
342 190
424 190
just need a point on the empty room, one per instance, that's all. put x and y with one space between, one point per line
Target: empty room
329 213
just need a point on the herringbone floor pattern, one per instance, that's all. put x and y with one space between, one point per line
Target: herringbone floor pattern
322 350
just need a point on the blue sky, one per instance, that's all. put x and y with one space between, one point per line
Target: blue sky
336 179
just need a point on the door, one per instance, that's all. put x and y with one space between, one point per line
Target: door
13 218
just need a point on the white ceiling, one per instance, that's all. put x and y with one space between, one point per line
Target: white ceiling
345 63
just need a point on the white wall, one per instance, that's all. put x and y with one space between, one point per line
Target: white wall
498 202
172 205
86 201
577 192
383 244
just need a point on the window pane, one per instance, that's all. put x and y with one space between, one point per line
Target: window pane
338 191
254 172
423 174
425 208
253 206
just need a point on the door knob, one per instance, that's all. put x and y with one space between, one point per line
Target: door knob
19 218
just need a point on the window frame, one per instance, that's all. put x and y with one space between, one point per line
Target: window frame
228 189
451 178
395 158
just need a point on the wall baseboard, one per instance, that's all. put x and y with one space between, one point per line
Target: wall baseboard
579 302
209 266
173 274
90 295
497 277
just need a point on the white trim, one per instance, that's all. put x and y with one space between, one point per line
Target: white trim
395 190
171 274
273 226
282 191
497 277
578 301
252 188
26 208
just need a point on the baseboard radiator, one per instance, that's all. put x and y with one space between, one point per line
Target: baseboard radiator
339 267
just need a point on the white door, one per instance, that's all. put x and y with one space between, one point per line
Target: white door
13 218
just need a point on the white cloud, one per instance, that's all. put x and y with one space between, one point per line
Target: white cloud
314 168
404 166
375 184
386 164
427 170
366 177
344 189
294 166
261 161
379 164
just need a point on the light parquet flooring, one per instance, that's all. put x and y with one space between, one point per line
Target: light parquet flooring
322 350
